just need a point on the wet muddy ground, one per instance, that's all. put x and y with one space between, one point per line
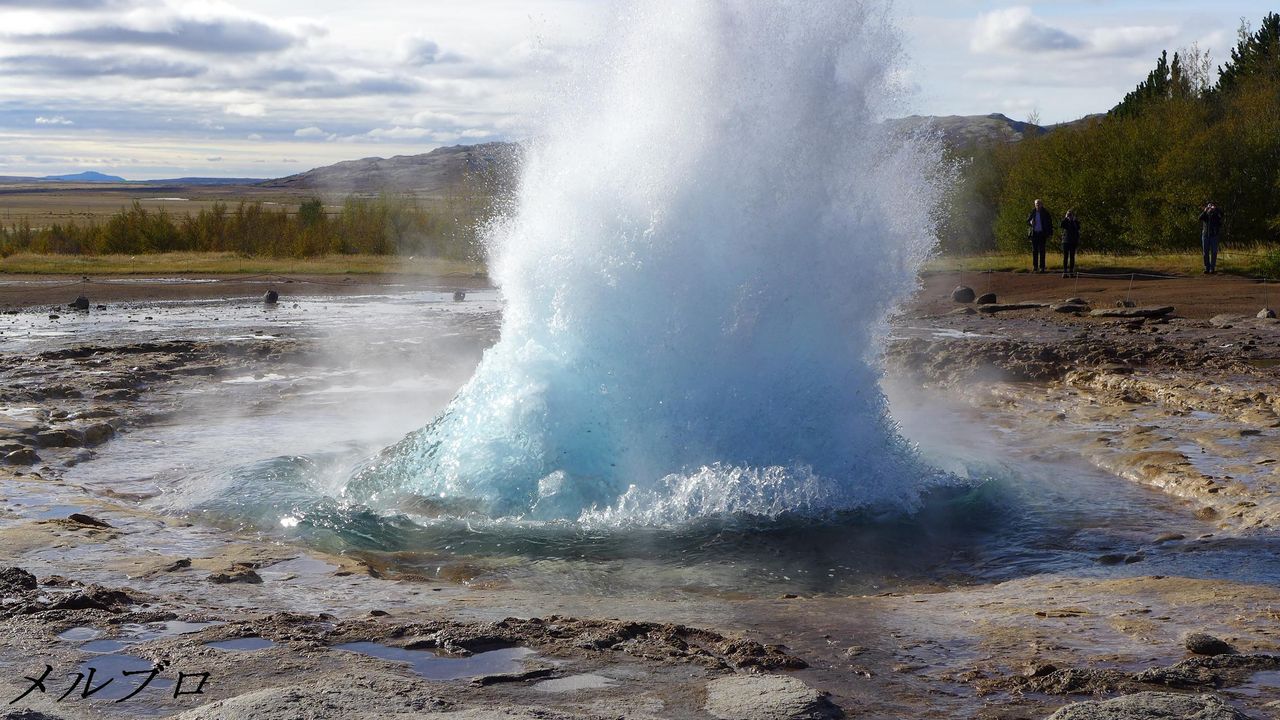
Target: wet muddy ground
1171 420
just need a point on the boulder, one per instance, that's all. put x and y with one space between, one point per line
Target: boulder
80 303
271 297
1266 313
1205 644
767 697
1152 706
987 299
15 581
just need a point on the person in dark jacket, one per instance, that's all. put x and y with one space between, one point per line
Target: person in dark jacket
1210 231
1039 228
1070 241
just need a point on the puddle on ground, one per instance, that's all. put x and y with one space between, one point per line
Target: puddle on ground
134 633
574 683
170 628
303 565
57 511
245 644
1264 685
112 684
79 634
442 667
106 646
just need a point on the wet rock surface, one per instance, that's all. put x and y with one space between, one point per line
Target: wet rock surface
767 697
1152 706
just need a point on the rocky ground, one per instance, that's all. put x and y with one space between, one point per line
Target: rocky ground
1180 401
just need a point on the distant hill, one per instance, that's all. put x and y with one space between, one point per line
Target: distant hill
89 176
443 170
966 130
204 181
436 173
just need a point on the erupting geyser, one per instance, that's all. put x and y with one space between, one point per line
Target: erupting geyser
707 239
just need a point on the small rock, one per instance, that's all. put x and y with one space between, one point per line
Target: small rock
459 295
1206 513
987 299
88 520
236 576
1075 301
963 311
271 297
1126 304
97 434
1069 308
102 307
1131 311
80 303
59 438
1111 558
1150 706
767 697
1266 313
1169 537
1038 669
378 613
25 456
1205 644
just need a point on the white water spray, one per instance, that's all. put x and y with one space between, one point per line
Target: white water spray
706 243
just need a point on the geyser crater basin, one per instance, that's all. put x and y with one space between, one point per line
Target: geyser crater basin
693 331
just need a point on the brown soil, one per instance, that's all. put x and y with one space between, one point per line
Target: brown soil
1196 296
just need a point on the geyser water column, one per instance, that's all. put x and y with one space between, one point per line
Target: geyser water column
706 240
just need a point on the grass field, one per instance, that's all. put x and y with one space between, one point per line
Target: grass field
1231 262
231 264
1241 262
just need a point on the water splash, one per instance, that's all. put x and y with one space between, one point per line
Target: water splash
706 242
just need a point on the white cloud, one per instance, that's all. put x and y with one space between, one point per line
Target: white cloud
1131 40
400 133
53 120
253 136
252 109
214 158
310 132
1017 29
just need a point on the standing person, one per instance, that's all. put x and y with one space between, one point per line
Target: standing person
1039 228
1210 231
1070 241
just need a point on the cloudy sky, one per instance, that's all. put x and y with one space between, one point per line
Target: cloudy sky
265 88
